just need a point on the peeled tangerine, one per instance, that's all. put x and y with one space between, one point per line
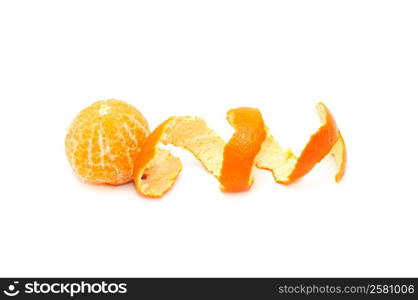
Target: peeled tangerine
232 163
104 141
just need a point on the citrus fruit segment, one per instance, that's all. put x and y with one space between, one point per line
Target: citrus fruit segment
104 141
285 166
240 152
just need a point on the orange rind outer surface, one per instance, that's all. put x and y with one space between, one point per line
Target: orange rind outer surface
241 150
319 145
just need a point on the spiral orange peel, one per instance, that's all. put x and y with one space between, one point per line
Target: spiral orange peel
232 163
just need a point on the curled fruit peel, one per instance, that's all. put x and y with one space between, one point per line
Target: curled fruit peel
232 163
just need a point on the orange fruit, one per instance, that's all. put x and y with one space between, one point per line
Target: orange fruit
232 163
104 141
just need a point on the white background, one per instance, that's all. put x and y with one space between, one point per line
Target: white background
203 58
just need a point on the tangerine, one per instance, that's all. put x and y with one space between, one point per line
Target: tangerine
104 141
